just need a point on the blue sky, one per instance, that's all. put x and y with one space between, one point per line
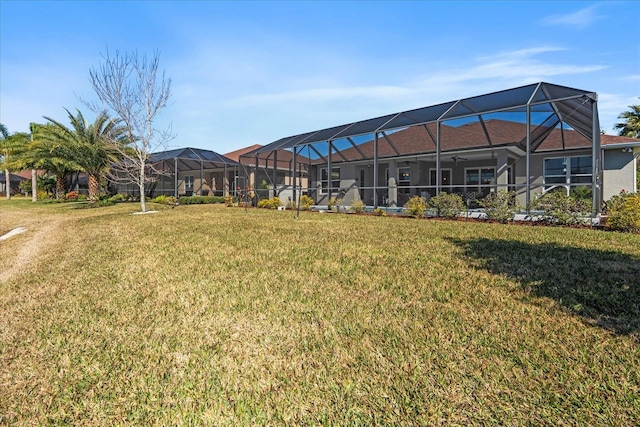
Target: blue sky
248 73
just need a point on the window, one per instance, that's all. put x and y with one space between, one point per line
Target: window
324 179
446 178
479 179
567 170
188 183
404 180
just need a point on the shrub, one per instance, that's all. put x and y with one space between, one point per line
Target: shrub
165 200
357 206
24 186
562 209
500 206
582 192
71 196
118 198
416 207
230 201
623 212
97 204
46 183
306 202
379 212
201 200
159 199
447 205
334 202
272 203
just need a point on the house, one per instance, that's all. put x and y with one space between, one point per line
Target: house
531 139
185 172
14 183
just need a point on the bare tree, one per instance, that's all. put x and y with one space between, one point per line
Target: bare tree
136 91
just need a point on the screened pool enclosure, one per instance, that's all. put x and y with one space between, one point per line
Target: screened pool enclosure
187 172
530 140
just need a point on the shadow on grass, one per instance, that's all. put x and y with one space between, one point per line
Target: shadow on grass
601 286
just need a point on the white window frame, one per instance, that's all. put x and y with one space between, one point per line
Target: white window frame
189 183
324 183
567 173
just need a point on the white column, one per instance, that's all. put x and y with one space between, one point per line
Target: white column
393 184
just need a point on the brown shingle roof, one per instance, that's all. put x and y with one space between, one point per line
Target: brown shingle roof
421 139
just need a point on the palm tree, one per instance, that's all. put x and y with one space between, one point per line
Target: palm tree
4 135
91 146
631 126
10 147
47 151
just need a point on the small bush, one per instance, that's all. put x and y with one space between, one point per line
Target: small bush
379 212
100 203
306 202
416 207
447 205
500 206
201 200
582 192
24 186
165 200
71 196
230 201
562 209
272 203
623 212
357 206
118 198
334 202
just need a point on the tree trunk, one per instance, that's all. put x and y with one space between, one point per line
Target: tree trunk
7 183
141 182
94 188
34 185
143 202
60 187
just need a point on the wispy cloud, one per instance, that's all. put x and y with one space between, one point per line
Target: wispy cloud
580 19
500 70
610 106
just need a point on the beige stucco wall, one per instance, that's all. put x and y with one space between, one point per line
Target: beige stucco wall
619 172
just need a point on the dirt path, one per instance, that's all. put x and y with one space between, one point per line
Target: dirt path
37 238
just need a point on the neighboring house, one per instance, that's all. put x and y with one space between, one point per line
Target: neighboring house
185 172
530 140
14 183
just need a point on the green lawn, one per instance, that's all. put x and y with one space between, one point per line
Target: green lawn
206 315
